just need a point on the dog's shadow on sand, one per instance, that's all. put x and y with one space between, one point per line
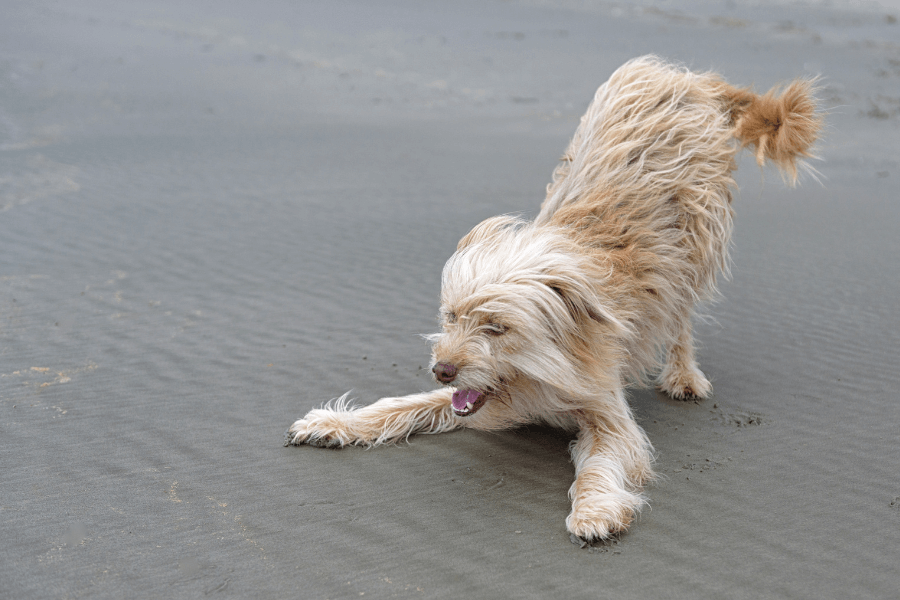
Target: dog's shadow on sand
536 457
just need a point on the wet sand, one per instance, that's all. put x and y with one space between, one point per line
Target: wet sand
216 217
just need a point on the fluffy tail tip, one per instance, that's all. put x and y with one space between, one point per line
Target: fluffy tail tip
782 127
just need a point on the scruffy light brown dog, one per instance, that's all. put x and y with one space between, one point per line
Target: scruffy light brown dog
550 320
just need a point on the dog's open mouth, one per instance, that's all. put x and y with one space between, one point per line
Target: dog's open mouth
467 402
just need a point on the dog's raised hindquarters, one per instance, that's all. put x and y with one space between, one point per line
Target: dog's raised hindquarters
550 320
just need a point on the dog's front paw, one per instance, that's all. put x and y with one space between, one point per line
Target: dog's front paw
599 520
685 382
314 431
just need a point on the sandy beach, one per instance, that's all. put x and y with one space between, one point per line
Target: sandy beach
216 216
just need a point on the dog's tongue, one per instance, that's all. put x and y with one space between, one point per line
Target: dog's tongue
460 397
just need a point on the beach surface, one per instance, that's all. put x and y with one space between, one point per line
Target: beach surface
215 216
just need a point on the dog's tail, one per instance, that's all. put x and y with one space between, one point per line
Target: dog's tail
782 127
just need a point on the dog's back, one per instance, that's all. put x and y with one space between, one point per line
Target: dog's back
646 182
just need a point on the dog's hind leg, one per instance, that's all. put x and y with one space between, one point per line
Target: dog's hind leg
613 459
681 378
388 420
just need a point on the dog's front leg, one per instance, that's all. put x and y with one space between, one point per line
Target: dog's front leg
385 421
612 457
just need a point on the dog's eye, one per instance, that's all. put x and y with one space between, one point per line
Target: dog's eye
496 328
451 317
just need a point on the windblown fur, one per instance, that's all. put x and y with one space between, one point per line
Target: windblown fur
550 320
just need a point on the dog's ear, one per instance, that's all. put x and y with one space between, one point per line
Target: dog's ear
488 229
577 309
583 304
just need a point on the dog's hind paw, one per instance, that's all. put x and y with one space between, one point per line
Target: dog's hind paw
685 383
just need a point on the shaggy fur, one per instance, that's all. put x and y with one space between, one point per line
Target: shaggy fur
550 320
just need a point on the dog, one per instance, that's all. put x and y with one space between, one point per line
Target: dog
550 321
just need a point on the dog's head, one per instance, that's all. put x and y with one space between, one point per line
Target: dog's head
520 302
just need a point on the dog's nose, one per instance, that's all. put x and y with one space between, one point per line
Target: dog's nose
444 372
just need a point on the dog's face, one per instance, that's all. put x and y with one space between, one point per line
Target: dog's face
516 303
